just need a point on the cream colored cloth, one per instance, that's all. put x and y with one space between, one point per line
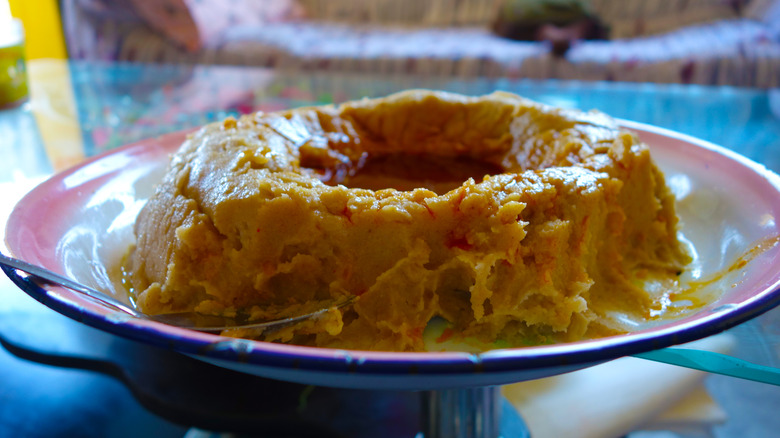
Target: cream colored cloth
615 398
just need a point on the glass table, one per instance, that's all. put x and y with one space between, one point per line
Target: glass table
81 109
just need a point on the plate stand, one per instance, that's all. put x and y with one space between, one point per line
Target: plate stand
462 413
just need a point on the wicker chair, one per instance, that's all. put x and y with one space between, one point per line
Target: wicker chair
711 42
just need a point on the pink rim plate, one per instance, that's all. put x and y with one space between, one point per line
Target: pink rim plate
80 219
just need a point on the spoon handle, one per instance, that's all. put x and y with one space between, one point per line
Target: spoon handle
714 363
189 320
53 277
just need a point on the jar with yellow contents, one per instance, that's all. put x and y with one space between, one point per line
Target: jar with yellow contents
13 72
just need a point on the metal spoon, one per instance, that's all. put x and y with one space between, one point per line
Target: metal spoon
188 320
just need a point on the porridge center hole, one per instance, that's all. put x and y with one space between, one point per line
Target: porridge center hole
407 172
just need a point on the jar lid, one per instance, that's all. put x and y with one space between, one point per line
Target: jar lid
11 31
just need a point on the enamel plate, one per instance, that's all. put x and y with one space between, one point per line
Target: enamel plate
79 223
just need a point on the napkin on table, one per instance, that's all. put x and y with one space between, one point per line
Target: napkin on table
621 396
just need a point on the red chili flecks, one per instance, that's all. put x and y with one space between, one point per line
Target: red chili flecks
445 335
425 204
346 212
416 333
459 242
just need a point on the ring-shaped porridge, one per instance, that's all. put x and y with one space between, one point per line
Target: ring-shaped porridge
513 221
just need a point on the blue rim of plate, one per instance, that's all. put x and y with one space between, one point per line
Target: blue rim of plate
348 361
500 362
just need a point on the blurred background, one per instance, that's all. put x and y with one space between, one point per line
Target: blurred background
709 42
143 67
